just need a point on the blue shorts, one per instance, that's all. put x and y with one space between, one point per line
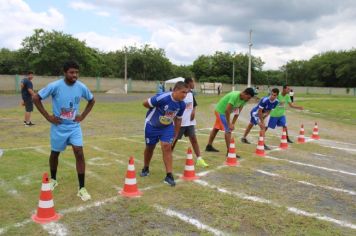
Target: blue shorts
61 136
277 121
254 118
153 134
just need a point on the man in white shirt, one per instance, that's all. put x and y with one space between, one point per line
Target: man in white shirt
189 122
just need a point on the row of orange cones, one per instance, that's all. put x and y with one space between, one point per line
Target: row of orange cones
46 212
260 151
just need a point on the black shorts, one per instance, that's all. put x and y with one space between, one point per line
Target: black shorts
188 131
28 105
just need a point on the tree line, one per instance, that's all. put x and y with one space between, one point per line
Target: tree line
44 53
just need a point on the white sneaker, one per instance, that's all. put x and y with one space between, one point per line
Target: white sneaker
53 183
83 194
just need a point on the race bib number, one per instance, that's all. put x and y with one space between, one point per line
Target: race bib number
68 114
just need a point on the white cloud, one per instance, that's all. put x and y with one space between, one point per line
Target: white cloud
17 21
82 6
106 43
103 13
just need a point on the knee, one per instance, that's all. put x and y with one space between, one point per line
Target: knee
166 147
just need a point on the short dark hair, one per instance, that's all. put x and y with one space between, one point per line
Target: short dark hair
180 85
188 80
275 90
30 72
70 64
249 91
285 86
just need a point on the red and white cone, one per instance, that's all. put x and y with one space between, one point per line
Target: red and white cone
260 149
130 187
284 143
315 132
301 138
189 171
231 159
45 211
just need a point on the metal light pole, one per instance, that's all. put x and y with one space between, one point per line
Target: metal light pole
125 71
233 75
249 61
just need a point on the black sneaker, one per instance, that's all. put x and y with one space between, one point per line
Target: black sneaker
170 180
28 124
289 141
266 147
210 148
244 140
145 172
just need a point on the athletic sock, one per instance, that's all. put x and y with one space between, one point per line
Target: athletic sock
81 180
53 174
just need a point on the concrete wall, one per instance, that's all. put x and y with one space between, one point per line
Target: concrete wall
9 83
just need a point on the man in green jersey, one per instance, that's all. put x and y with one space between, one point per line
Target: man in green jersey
277 115
232 102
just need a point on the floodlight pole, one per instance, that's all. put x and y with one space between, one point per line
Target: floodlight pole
125 71
233 75
249 61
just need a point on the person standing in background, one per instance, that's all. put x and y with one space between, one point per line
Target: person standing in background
27 93
291 95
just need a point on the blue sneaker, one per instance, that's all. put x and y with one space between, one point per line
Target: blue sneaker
145 172
170 180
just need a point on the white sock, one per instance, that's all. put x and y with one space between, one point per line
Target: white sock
198 158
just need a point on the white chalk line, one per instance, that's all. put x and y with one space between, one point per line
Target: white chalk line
350 192
198 224
266 201
82 208
55 228
313 166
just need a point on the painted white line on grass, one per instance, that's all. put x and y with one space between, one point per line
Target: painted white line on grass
268 173
308 183
330 188
1 152
321 217
9 189
313 166
54 228
131 140
266 201
188 220
23 148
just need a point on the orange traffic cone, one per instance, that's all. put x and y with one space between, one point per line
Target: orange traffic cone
231 159
284 143
45 210
189 171
315 132
130 187
301 138
260 149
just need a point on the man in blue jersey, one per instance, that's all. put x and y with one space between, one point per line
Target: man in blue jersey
260 112
164 110
65 121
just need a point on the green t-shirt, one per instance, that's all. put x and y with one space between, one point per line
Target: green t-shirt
280 110
233 98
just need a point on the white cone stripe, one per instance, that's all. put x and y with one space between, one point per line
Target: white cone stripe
260 139
284 133
189 156
231 155
260 148
283 141
232 145
131 167
301 130
46 187
45 204
315 132
130 181
189 168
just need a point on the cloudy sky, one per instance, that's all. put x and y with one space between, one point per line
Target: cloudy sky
282 29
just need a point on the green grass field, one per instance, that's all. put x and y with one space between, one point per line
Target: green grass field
262 196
